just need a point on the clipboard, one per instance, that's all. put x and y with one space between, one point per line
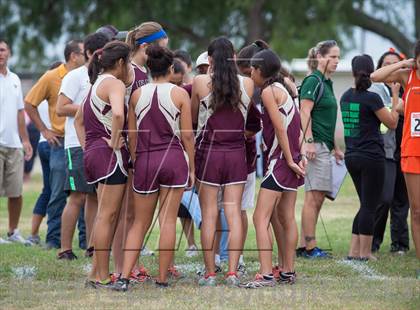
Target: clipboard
339 172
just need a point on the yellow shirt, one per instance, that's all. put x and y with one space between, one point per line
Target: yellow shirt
47 88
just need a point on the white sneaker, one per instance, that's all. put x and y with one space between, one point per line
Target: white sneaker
2 241
17 237
146 252
192 251
34 240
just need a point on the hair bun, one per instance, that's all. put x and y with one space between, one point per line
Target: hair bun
261 44
155 51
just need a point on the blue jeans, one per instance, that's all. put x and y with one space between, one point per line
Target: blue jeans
34 135
58 196
43 199
223 245
58 199
191 202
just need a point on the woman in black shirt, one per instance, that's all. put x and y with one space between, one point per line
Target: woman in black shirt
363 112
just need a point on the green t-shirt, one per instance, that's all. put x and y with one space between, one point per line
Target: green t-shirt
324 112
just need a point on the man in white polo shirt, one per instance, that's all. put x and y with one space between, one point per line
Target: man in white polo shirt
74 89
12 131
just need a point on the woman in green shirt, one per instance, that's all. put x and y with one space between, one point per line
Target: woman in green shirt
318 113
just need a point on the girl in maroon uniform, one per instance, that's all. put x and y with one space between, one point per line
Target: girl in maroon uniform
285 168
138 40
162 143
105 154
220 103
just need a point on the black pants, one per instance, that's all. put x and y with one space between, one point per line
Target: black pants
395 200
368 178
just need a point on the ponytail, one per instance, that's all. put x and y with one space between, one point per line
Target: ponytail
362 81
312 61
95 67
131 40
362 67
107 58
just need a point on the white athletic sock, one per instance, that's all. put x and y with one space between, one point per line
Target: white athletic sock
217 259
241 260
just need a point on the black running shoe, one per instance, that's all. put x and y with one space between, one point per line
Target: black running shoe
121 285
300 251
89 252
161 284
363 259
375 248
394 248
67 255
287 278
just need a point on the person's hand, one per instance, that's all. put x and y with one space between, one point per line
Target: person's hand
191 180
27 150
395 88
297 169
51 137
119 143
339 155
408 63
310 151
303 163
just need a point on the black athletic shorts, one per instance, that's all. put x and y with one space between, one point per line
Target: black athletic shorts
270 183
75 172
183 212
117 178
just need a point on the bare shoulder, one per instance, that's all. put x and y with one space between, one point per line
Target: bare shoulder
267 93
249 86
202 78
179 92
135 96
202 84
180 96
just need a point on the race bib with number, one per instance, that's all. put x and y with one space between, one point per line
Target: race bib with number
415 124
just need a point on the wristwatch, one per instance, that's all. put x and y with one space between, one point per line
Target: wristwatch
310 140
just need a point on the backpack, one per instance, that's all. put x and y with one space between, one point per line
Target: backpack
317 99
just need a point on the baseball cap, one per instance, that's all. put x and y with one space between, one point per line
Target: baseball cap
203 59
112 32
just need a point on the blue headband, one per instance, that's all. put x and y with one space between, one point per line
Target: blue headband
153 37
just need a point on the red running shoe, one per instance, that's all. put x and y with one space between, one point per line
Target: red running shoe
174 273
276 272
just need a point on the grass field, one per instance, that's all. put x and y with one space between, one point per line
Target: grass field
34 278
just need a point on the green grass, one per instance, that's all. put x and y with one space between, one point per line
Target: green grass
331 284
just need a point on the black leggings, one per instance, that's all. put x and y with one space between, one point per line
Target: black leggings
368 178
394 201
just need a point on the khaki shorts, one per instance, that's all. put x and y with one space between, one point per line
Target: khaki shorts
319 170
11 172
